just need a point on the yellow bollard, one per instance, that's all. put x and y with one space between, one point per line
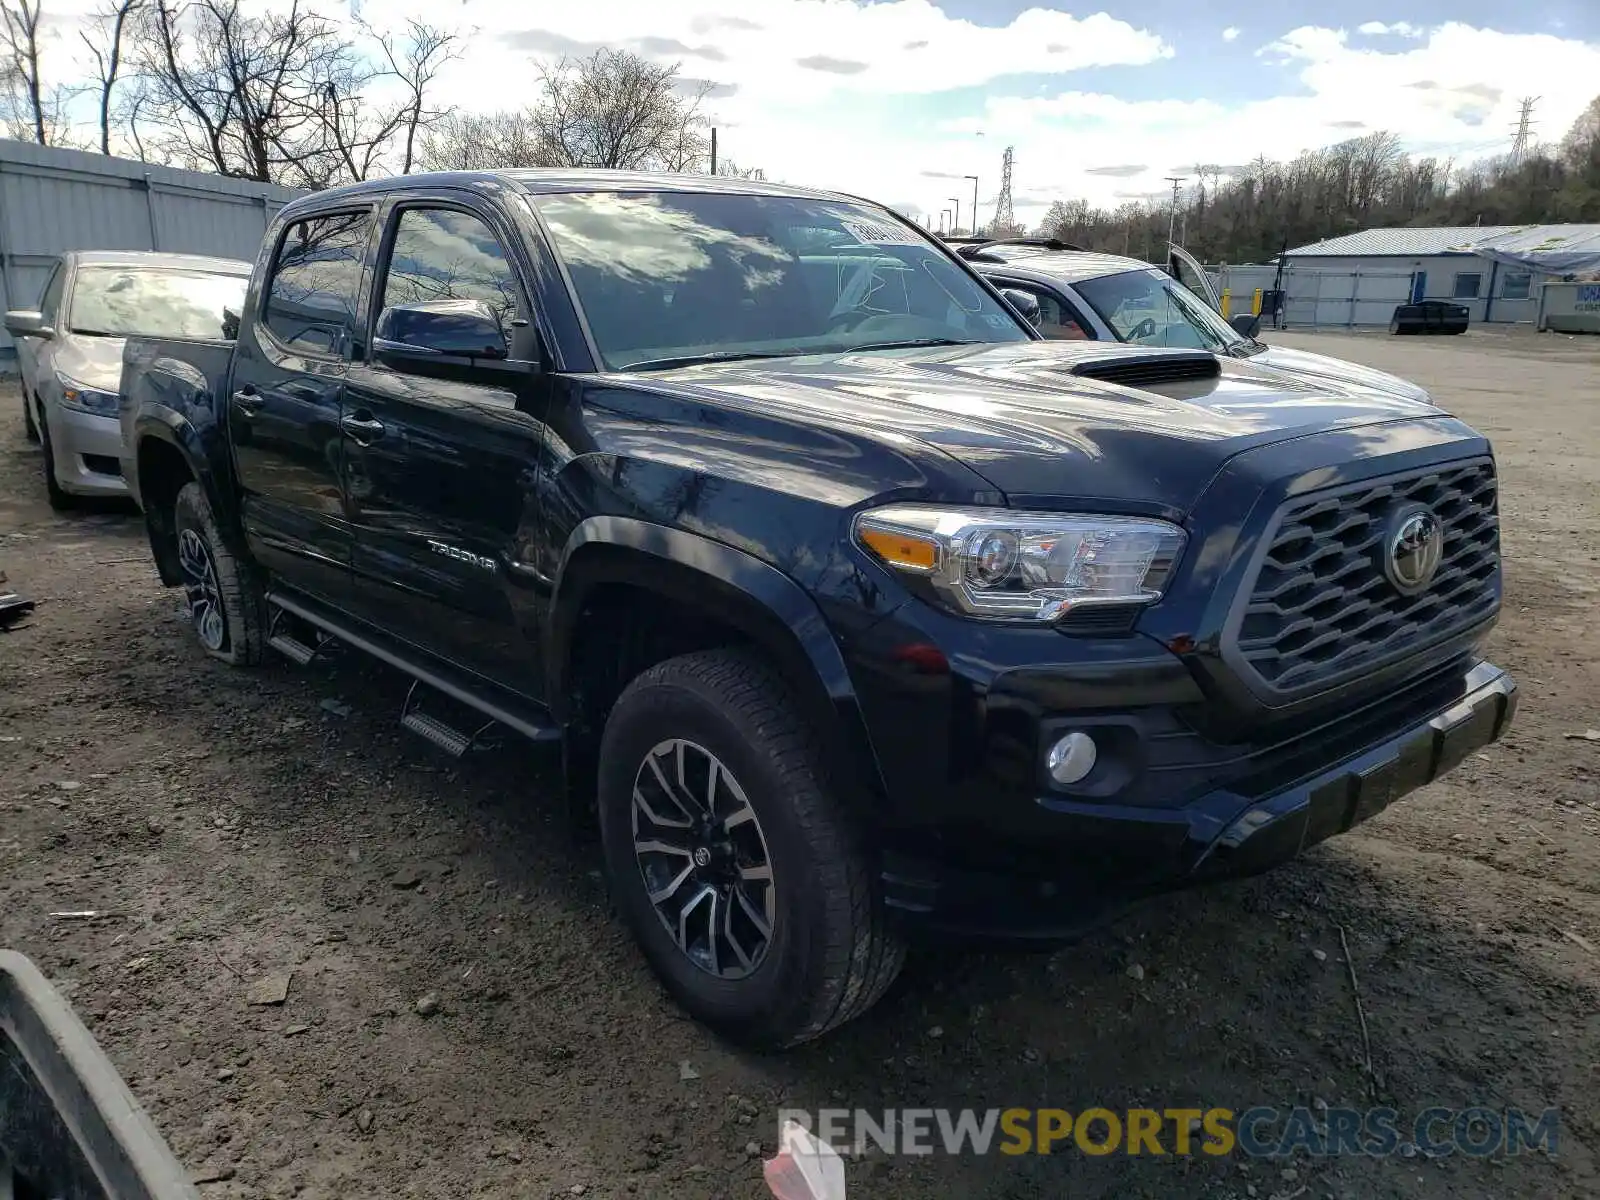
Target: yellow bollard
1227 299
1255 307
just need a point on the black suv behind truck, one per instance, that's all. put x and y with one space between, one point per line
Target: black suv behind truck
853 606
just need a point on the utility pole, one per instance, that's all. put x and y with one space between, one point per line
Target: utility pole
974 179
1172 225
1523 141
955 226
1004 217
713 149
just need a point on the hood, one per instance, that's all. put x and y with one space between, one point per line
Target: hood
1320 368
1017 415
95 362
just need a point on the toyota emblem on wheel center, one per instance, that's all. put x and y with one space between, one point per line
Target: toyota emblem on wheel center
1413 548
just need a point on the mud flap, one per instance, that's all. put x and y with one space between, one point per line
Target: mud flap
69 1126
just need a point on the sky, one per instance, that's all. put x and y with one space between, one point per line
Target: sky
901 100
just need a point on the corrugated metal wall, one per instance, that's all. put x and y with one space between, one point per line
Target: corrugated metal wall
54 200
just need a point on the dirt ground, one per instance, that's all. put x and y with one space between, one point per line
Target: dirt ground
237 824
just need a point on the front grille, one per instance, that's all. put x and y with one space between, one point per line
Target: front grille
1321 606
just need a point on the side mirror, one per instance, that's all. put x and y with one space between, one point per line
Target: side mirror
69 1126
1026 304
438 328
28 322
1246 324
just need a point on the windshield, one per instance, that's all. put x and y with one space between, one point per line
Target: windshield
669 277
1151 309
157 302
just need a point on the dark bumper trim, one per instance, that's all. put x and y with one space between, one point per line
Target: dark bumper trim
1225 834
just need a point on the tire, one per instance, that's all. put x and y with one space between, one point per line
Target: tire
29 429
226 602
60 499
831 952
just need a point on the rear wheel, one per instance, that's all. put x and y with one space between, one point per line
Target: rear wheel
224 596
731 857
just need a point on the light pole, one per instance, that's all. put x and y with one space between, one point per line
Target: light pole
1172 222
974 179
955 226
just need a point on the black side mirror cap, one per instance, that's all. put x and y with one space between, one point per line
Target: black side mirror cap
439 329
1246 324
1026 304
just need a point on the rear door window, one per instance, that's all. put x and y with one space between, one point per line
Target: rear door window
316 277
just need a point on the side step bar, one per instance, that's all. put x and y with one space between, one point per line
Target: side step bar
529 720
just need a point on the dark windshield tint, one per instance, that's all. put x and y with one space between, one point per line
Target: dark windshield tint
672 275
146 302
1150 308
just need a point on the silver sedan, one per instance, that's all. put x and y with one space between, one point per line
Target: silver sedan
70 350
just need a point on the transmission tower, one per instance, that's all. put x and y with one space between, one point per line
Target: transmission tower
1004 219
1523 142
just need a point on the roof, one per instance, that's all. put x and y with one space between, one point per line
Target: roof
157 258
544 180
1067 265
1437 239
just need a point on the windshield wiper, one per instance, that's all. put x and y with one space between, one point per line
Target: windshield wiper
911 344
689 360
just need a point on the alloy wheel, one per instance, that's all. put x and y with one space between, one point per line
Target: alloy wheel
200 589
703 857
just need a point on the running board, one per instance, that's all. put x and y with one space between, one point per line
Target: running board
528 719
282 639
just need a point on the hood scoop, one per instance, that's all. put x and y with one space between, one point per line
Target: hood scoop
1148 370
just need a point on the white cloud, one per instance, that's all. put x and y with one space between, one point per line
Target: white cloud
844 93
1397 29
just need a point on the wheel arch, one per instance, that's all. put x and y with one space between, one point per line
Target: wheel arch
722 586
169 455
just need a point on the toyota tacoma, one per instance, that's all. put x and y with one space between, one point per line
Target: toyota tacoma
856 609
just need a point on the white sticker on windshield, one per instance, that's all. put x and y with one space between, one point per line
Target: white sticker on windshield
871 233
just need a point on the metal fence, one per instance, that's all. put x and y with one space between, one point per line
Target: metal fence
56 200
1320 298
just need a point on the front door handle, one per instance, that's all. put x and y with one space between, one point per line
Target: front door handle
361 430
248 401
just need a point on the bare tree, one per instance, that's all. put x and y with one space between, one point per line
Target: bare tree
479 142
415 59
616 109
255 97
19 43
108 27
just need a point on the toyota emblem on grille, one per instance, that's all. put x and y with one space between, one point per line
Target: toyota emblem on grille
1412 549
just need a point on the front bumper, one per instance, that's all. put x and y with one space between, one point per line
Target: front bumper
88 452
1114 855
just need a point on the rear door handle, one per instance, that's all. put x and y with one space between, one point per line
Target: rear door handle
361 430
248 401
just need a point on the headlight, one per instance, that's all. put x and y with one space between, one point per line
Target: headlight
995 563
87 399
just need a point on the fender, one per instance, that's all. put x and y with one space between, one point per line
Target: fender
736 587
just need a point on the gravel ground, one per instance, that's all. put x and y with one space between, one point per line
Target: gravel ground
463 1017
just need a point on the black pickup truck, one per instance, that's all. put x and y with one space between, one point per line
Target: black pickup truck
855 607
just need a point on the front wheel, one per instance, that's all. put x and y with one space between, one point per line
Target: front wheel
221 589
29 429
731 856
60 499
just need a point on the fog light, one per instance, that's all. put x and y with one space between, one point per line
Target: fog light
1072 758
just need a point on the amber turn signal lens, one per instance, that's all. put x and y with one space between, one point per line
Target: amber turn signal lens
901 549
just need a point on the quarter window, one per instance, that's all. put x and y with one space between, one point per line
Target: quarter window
446 254
311 304
1467 285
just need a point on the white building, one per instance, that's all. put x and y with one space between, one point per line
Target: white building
1495 270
